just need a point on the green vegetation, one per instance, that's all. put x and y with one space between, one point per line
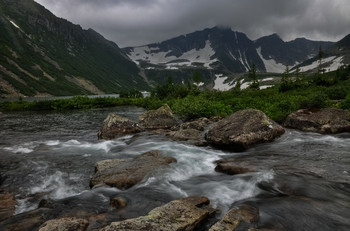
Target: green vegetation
190 102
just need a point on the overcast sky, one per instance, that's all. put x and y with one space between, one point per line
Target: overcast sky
139 22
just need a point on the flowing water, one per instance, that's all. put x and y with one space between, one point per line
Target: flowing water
302 182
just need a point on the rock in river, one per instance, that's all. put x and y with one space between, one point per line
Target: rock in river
184 214
65 224
244 217
125 173
326 120
243 129
162 118
115 126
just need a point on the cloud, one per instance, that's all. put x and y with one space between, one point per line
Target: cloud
139 22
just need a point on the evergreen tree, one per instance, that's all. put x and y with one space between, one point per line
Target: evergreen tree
196 77
252 76
320 57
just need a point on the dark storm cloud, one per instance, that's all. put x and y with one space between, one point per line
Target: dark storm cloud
137 22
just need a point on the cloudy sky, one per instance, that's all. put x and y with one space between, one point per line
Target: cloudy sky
139 22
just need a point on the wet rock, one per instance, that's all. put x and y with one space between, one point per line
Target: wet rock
7 205
162 118
192 131
117 202
26 221
125 173
65 224
115 126
232 167
184 214
326 120
243 129
244 217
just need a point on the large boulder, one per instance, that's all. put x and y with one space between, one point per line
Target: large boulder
192 131
326 120
65 224
243 129
125 173
162 118
115 126
184 214
244 217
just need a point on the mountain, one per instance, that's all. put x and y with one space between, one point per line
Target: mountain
277 54
334 56
224 51
41 54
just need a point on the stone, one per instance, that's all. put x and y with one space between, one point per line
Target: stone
115 126
178 215
244 217
65 224
117 202
324 121
125 173
162 118
233 168
242 130
192 131
7 205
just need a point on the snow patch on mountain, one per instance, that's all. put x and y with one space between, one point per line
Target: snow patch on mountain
270 64
14 24
331 64
219 83
155 56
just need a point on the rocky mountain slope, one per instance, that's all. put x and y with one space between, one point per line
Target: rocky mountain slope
333 57
225 51
41 54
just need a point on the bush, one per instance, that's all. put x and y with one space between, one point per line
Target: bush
196 107
345 104
316 100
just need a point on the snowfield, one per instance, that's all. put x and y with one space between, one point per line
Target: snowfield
270 64
331 64
219 83
154 56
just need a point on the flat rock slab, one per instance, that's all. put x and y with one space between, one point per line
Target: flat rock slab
125 173
65 224
115 126
325 121
243 129
184 214
232 167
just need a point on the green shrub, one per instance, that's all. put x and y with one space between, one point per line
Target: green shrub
196 107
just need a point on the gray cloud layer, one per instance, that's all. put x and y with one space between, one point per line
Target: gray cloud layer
139 22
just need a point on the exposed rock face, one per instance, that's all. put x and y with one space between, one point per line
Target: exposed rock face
125 173
162 118
115 126
326 120
184 214
245 217
7 205
65 224
243 129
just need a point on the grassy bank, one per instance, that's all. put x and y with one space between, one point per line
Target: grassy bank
316 91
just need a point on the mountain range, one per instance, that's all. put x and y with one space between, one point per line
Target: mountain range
43 55
227 51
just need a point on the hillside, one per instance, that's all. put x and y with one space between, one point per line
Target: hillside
41 54
334 56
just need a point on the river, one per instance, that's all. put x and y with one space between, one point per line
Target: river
303 182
